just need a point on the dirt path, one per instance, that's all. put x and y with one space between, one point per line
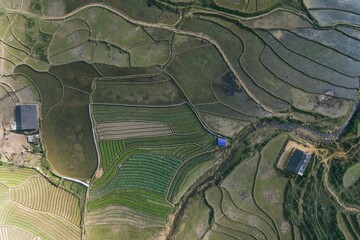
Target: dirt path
327 185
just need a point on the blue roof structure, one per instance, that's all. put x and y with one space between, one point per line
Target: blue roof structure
221 142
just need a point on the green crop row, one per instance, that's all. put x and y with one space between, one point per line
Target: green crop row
187 151
203 138
181 118
150 172
112 170
109 150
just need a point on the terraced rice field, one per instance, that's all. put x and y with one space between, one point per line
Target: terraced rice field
137 170
32 208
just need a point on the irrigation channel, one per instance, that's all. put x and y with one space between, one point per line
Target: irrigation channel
310 135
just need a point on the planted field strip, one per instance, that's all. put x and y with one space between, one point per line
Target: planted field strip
122 215
351 5
10 232
11 177
112 170
187 151
6 210
327 17
269 187
108 151
318 53
43 225
38 194
333 40
180 117
350 32
282 70
149 172
137 199
187 174
130 129
225 111
305 66
241 196
202 138
4 194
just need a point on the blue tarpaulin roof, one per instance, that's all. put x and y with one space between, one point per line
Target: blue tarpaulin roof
221 142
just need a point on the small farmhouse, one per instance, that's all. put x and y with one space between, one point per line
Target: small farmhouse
298 162
26 117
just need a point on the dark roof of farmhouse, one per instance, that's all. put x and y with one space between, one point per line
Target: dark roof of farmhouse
298 162
26 117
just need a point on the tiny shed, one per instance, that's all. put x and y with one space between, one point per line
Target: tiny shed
221 142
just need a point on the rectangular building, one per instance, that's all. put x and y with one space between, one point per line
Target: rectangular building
26 117
298 162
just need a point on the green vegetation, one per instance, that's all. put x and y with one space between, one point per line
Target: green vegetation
187 174
345 179
270 186
110 149
180 118
352 175
195 221
309 206
152 90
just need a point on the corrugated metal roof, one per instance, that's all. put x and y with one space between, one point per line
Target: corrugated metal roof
221 142
26 117
298 162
